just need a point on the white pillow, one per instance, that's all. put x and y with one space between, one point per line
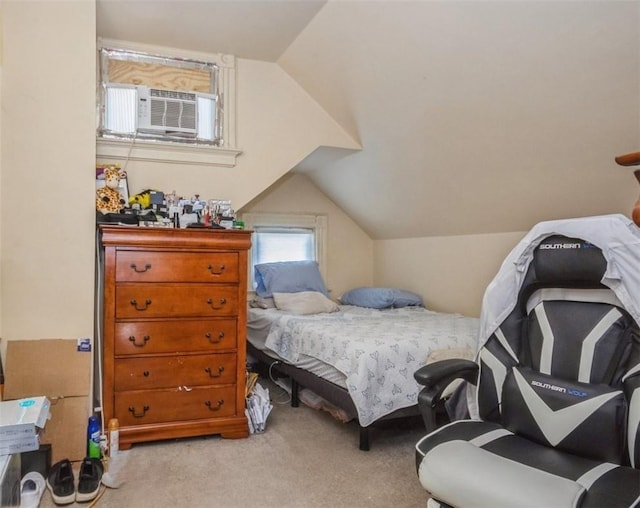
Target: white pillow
304 302
262 303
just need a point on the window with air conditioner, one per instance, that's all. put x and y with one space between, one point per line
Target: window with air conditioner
140 110
175 108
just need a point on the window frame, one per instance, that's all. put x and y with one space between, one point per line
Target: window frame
109 54
170 151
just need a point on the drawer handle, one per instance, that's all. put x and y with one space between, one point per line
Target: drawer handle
132 410
223 302
147 267
145 373
213 374
213 271
147 302
214 341
139 344
212 407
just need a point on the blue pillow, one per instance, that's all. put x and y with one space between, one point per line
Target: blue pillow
288 277
404 298
380 298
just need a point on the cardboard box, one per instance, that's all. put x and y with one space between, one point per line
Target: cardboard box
67 429
59 369
20 424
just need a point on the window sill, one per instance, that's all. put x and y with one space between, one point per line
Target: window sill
166 152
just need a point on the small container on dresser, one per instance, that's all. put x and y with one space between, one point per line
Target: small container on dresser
174 331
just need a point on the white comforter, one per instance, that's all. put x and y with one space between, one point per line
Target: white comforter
377 351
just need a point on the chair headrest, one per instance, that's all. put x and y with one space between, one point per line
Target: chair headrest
568 262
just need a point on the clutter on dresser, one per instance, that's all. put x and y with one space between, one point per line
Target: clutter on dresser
111 188
156 208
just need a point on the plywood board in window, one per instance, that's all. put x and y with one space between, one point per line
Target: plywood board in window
159 76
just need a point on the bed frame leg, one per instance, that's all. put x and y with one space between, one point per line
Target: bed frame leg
295 401
364 439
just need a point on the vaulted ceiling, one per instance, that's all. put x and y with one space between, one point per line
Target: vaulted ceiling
253 29
474 117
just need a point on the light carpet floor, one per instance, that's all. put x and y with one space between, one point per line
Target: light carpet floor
305 458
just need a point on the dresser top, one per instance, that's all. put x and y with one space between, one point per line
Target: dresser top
198 238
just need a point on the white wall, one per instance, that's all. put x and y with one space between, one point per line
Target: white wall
47 169
349 249
278 124
451 273
468 109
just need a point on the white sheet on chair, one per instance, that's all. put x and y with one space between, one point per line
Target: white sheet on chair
377 351
616 235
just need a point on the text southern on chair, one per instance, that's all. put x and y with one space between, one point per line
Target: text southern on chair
556 406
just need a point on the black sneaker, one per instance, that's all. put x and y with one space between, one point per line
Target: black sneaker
89 480
61 483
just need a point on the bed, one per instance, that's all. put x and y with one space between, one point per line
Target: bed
361 358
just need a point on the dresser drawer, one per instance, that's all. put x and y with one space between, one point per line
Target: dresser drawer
174 404
150 266
139 301
152 337
173 371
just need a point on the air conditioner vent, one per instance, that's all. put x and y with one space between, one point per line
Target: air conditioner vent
172 94
173 114
167 111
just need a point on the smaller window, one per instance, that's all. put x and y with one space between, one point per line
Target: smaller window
272 244
286 237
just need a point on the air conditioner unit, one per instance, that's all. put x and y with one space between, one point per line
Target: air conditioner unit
168 111
137 108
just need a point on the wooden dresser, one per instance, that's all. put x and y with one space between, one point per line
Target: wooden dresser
174 331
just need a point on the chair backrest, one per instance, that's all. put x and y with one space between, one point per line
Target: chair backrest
563 369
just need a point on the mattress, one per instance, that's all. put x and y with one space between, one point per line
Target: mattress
372 353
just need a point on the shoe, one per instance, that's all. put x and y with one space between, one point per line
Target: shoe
60 482
89 480
31 489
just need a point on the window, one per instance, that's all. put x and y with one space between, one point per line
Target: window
166 105
271 244
160 98
286 237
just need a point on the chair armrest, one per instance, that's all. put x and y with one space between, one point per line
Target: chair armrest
436 377
446 371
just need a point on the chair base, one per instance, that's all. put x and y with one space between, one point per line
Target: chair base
490 461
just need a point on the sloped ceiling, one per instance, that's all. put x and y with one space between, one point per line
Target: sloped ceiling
474 117
253 29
